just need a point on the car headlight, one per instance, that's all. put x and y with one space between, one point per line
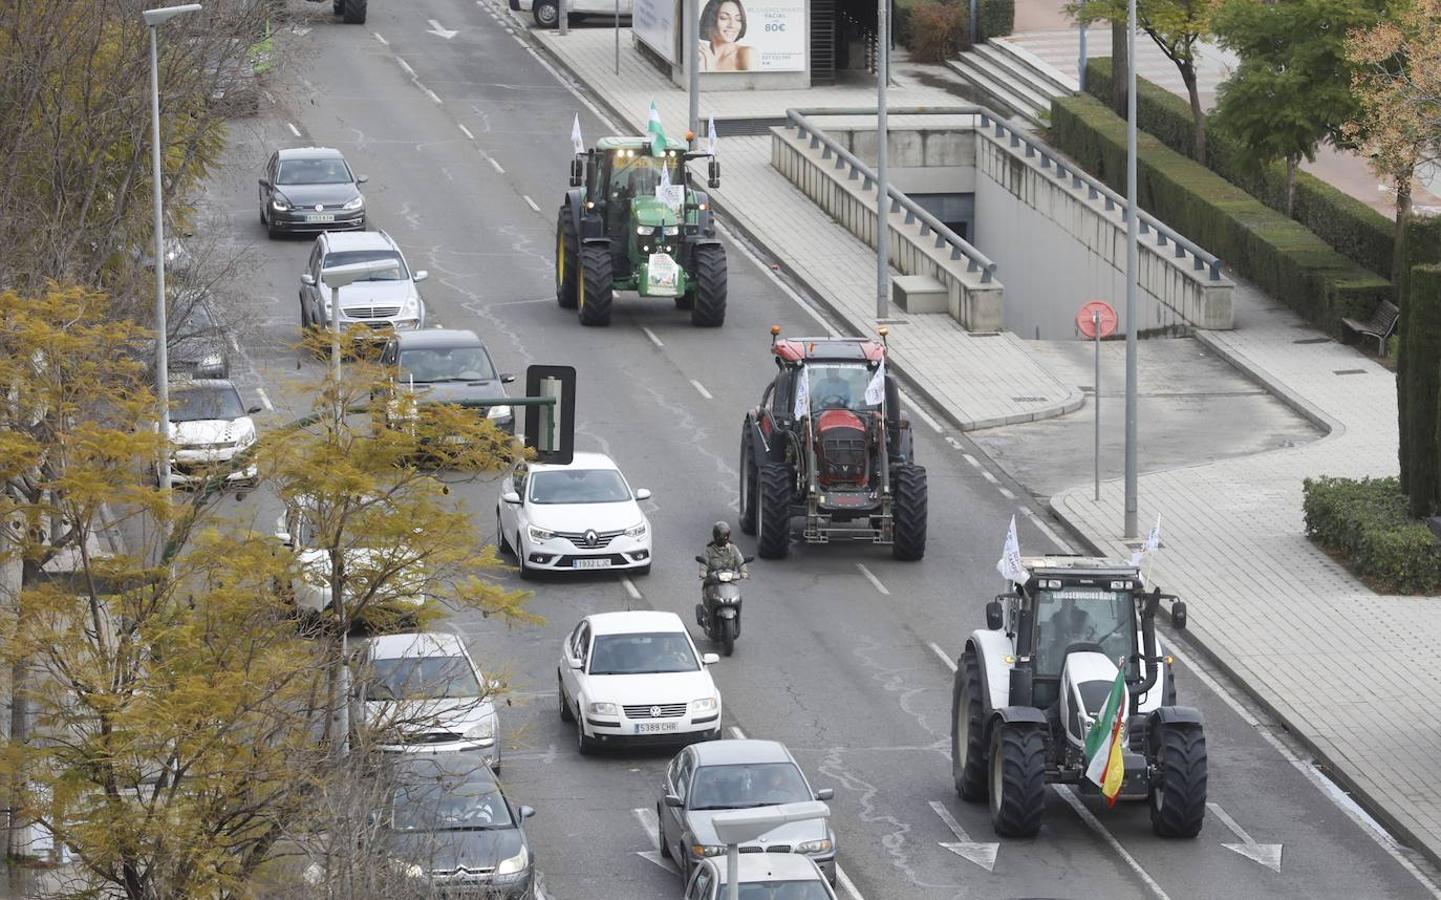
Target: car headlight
498 412
246 438
357 203
636 531
279 204
483 731
411 307
671 230
705 704
823 845
699 850
539 534
515 864
603 709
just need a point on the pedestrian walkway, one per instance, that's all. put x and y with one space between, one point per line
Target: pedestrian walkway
1056 42
1348 671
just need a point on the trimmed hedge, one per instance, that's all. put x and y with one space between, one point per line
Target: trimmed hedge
1278 254
998 18
1365 524
1348 225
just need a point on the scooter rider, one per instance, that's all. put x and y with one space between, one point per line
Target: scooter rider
721 554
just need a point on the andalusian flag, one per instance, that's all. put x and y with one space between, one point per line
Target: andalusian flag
1105 765
657 133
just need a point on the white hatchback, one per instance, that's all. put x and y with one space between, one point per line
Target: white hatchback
579 517
636 677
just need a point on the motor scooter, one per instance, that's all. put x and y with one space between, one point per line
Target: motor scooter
719 612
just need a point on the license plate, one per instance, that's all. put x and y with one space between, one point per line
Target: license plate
590 564
320 218
653 727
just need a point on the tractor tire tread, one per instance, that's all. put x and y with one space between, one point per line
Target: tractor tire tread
773 487
567 261
709 308
969 762
909 507
748 503
1181 751
596 287
1022 752
355 12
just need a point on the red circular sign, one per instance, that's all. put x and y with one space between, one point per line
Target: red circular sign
1093 312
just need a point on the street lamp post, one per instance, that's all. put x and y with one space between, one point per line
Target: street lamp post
691 21
1132 230
735 828
882 140
154 18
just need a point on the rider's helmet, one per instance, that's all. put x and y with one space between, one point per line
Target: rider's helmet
721 533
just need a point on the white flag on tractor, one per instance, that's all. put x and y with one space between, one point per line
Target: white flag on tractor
711 137
1152 543
576 140
876 388
803 395
1010 563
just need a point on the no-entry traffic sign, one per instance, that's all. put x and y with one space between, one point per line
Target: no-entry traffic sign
1093 312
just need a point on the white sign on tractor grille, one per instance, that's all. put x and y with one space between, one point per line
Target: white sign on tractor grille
662 275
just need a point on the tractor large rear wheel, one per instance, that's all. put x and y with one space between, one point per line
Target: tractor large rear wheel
595 285
747 488
354 12
968 731
567 266
1178 793
908 507
773 511
1018 779
709 308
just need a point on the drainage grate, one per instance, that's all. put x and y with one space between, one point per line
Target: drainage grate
1350 372
1029 399
1315 340
748 127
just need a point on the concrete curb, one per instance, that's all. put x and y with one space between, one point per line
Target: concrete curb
1280 391
1213 654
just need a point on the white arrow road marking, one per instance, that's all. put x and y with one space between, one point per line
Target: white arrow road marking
647 820
980 853
1268 855
438 31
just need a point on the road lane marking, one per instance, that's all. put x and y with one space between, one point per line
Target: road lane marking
701 388
465 131
428 92
925 416
406 66
495 165
845 881
945 658
529 202
293 130
1046 529
737 733
381 39
1268 855
651 334
630 588
265 399
975 463
986 474
651 825
1006 492
875 582
982 853
1095 824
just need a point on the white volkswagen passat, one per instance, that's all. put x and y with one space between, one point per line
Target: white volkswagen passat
635 677
575 517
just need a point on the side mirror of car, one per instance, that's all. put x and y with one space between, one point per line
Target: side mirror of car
362 179
307 279
527 811
674 802
421 275
574 663
713 174
253 411
993 615
285 539
709 659
642 494
510 497
506 378
700 559
577 172
826 794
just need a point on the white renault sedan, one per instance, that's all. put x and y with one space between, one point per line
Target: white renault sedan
572 518
635 677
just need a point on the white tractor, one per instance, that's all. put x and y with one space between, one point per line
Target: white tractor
1032 684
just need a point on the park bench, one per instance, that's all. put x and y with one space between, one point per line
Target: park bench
1380 326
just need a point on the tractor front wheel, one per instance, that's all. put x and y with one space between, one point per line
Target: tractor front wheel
773 511
968 733
1018 779
908 511
709 308
748 488
595 285
1178 792
567 267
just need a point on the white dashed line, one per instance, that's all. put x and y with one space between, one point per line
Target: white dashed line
428 92
381 39
871 577
737 733
529 202
955 444
651 334
972 460
293 130
925 416
465 131
519 41
1006 492
265 399
945 658
1090 819
494 165
1046 529
406 66
630 587
701 388
268 98
845 881
985 473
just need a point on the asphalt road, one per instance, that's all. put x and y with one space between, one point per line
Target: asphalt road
844 655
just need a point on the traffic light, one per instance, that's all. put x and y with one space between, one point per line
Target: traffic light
550 428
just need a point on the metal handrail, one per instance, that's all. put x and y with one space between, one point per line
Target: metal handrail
1078 178
975 259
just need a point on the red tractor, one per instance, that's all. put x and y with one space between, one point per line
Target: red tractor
829 442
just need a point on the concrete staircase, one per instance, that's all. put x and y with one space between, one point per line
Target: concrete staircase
1013 78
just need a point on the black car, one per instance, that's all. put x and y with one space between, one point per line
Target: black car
449 824
309 190
448 365
196 345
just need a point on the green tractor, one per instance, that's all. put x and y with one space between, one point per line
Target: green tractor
633 221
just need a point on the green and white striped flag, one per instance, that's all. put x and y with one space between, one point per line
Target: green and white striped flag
657 134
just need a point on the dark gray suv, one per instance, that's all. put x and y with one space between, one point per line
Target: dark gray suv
310 189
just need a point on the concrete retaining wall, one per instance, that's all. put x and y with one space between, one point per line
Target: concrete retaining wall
976 305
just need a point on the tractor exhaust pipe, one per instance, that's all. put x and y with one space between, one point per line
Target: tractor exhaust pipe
1150 604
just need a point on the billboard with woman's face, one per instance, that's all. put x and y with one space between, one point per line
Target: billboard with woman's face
753 36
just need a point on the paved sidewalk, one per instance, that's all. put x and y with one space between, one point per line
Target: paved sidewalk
983 380
1057 43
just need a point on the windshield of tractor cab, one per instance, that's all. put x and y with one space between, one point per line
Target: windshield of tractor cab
1082 615
839 386
635 174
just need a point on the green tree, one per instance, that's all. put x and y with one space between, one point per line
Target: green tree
1292 89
